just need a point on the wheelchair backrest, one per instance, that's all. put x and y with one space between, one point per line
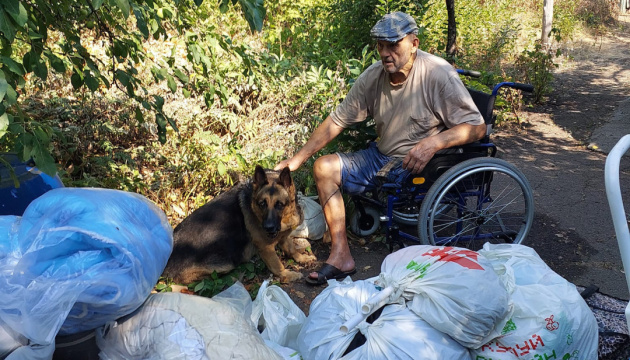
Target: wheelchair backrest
485 104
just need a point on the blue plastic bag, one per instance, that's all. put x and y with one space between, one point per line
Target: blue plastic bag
80 257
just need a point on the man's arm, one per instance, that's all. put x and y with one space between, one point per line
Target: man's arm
325 133
418 157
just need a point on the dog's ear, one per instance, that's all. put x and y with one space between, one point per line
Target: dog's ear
260 178
285 178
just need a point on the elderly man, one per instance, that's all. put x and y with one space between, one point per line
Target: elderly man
420 106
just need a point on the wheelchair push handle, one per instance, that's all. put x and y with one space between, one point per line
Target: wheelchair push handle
515 85
471 73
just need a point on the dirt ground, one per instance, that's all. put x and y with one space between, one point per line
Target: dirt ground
555 149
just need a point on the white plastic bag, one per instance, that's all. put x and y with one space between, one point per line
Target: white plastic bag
453 289
399 334
314 225
320 337
278 315
550 319
180 326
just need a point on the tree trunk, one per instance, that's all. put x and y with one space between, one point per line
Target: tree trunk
547 21
451 37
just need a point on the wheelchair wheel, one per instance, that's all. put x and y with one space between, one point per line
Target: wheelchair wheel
477 201
365 224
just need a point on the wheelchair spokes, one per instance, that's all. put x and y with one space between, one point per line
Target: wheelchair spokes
475 214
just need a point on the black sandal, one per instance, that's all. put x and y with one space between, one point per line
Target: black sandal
328 272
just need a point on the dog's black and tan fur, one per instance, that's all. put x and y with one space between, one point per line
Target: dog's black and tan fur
254 216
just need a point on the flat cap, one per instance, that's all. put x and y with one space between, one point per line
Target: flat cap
393 27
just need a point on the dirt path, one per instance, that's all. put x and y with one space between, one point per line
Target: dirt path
563 151
560 152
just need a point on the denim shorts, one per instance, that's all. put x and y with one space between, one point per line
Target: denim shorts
359 170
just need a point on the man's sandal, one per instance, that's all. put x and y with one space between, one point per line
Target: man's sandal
328 272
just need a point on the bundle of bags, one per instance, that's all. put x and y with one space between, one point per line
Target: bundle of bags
500 303
75 260
85 259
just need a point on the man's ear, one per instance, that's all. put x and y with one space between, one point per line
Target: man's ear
260 177
285 178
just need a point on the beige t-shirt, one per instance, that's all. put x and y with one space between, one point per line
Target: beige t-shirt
432 99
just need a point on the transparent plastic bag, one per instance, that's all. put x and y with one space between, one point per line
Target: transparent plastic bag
280 317
172 326
81 257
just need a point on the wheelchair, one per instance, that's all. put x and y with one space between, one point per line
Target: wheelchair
464 197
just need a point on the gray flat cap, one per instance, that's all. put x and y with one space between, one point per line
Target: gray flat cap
393 27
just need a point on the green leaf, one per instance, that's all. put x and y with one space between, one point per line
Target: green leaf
29 60
198 2
139 116
123 5
11 96
55 62
96 4
186 93
172 123
171 83
77 80
91 82
12 65
159 102
40 69
4 124
18 12
254 12
3 88
223 6
161 124
12 6
123 77
221 168
43 159
141 21
6 26
181 76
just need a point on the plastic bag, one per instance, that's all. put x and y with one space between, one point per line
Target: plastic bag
550 319
179 326
278 315
83 257
320 337
399 334
314 225
453 289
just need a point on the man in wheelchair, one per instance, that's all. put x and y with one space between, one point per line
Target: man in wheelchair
419 105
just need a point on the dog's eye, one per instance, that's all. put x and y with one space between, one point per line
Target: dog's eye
262 204
279 205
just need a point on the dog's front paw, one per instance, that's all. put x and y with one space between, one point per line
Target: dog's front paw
288 276
304 258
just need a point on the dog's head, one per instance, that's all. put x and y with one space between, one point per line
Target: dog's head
274 200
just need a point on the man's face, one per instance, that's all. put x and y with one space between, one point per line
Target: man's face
396 55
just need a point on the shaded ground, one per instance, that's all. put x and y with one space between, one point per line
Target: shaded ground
562 150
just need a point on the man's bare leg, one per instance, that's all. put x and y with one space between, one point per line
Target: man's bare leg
327 173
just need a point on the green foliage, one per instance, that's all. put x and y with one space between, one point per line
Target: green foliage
39 37
245 273
598 13
537 65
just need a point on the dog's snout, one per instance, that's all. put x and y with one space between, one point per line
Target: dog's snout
271 226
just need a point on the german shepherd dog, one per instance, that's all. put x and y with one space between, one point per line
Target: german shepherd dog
253 216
